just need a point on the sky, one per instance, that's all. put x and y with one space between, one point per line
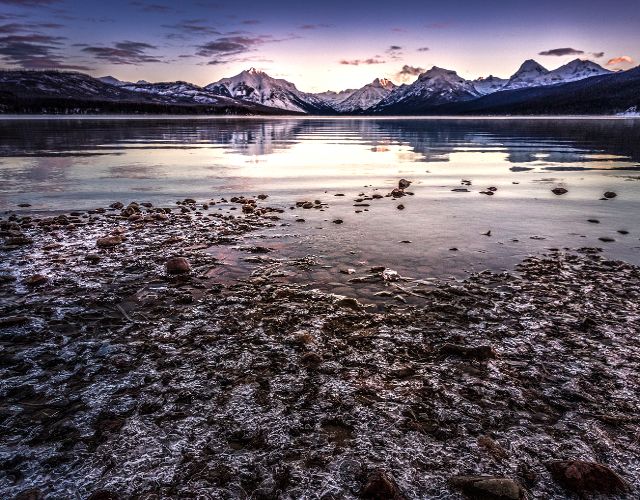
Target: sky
326 45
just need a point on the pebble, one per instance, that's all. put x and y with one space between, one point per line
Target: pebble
610 194
559 191
400 207
177 265
109 241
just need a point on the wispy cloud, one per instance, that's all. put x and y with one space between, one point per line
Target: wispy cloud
564 51
408 71
597 55
358 62
125 52
151 7
191 28
423 49
28 3
313 26
35 51
620 60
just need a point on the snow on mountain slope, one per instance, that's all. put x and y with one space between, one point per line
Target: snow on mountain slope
529 74
333 98
179 91
489 84
366 97
532 74
435 86
256 86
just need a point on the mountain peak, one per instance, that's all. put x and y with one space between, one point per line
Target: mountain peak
530 66
383 83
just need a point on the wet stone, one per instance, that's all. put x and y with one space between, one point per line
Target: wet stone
109 241
587 477
488 488
559 191
177 265
381 486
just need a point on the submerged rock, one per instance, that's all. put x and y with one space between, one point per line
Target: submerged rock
177 265
109 241
587 477
489 487
381 486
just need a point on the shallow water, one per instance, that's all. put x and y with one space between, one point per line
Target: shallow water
64 164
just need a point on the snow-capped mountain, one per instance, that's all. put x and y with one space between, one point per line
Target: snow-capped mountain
532 74
182 91
433 87
529 74
366 97
112 80
256 86
332 98
489 85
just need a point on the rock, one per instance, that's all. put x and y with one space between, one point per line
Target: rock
349 302
307 205
559 191
337 221
109 241
311 359
381 486
8 321
587 477
397 193
103 495
493 189
460 190
92 258
487 192
262 196
609 194
29 494
347 271
623 231
489 487
177 265
400 207
482 352
117 205
606 239
593 221
18 241
404 183
35 280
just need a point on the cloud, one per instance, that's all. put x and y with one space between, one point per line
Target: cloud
34 51
394 48
313 26
28 3
399 30
565 51
251 21
408 71
394 52
620 60
126 52
150 7
231 45
423 49
191 27
358 62
597 55
11 28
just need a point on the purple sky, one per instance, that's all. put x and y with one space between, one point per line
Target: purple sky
319 46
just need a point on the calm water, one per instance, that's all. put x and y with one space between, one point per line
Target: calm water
62 164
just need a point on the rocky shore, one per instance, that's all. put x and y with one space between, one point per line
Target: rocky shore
129 369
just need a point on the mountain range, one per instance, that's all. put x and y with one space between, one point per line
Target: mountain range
578 87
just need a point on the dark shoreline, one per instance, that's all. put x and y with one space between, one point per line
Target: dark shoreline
121 375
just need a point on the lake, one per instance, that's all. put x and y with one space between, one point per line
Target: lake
63 164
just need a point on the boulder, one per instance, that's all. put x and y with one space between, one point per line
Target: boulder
381 486
488 487
587 477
